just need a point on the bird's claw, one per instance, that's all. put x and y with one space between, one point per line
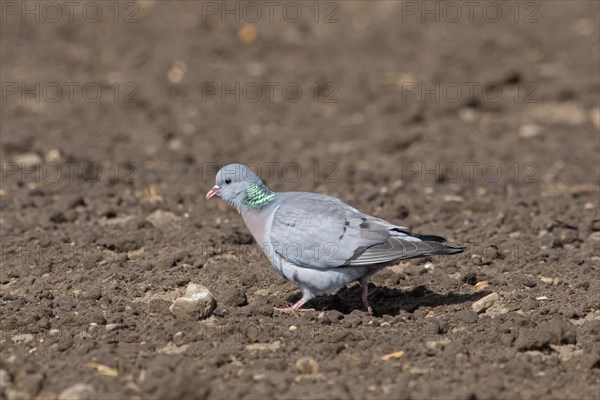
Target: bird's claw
294 308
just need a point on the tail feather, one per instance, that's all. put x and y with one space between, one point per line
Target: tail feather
436 246
438 249
396 248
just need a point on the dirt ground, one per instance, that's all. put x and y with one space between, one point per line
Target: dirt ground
478 124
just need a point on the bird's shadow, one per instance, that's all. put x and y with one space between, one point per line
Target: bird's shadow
388 301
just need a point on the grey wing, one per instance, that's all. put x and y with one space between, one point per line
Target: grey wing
400 245
318 231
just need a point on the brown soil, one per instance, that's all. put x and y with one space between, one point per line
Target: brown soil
104 220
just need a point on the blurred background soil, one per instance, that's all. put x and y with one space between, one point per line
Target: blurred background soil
478 124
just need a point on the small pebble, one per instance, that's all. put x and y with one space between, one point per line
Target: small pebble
111 327
177 72
52 156
414 269
396 354
197 302
453 198
276 345
530 130
437 344
307 366
178 338
80 391
248 34
479 286
22 338
28 160
549 241
484 303
567 236
467 114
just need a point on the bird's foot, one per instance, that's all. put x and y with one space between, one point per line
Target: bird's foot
294 308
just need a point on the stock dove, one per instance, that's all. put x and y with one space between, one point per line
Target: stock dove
316 240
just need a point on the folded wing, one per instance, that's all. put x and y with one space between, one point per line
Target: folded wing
318 231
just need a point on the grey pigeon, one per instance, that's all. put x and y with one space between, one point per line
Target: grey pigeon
318 241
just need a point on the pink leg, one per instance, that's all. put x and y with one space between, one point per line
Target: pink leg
294 307
372 293
364 286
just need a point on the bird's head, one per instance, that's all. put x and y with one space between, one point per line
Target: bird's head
241 187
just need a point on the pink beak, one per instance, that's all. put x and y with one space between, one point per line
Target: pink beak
212 192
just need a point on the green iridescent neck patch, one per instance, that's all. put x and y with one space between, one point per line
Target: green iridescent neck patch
258 195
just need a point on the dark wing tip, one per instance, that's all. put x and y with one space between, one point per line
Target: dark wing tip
453 249
425 238
429 238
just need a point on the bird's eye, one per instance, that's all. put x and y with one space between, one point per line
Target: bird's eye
228 181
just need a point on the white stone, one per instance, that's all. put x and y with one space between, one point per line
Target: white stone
80 391
530 130
197 302
22 338
264 346
28 160
485 302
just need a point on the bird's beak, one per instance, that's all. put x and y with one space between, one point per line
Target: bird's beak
212 191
